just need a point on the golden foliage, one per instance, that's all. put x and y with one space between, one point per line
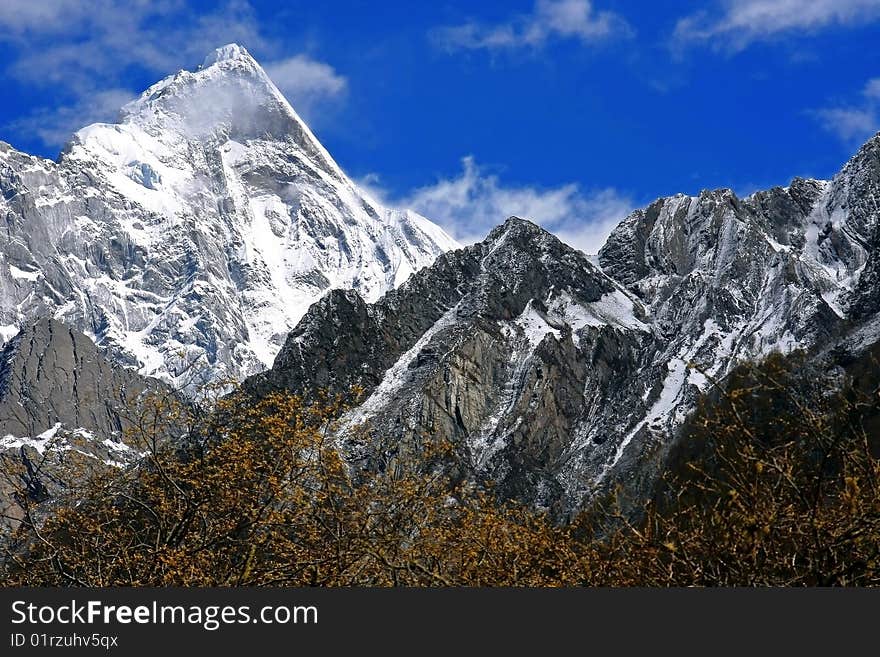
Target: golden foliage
779 487
258 497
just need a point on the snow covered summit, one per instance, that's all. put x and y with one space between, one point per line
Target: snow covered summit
189 237
223 53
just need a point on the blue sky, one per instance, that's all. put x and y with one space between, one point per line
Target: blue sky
567 111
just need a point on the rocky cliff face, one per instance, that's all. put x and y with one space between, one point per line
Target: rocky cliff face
517 350
50 374
187 239
64 410
554 377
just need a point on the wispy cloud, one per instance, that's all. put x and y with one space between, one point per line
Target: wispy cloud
856 122
72 43
85 52
736 24
549 20
470 204
53 126
27 16
306 82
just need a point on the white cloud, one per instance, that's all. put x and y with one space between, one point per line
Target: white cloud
739 23
69 43
306 82
21 16
52 126
85 52
849 124
550 19
855 123
469 205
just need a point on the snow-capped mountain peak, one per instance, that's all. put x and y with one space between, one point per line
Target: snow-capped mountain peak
229 98
189 237
225 53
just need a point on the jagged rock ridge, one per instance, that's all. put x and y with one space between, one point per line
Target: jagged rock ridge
554 377
51 374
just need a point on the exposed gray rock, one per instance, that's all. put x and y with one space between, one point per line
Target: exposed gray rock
64 411
50 373
556 379
505 349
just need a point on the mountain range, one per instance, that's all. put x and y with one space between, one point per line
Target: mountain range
207 235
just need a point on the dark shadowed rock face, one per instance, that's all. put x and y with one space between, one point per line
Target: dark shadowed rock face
555 378
50 373
859 200
64 410
342 341
506 349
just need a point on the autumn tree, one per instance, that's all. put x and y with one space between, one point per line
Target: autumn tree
256 494
775 483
